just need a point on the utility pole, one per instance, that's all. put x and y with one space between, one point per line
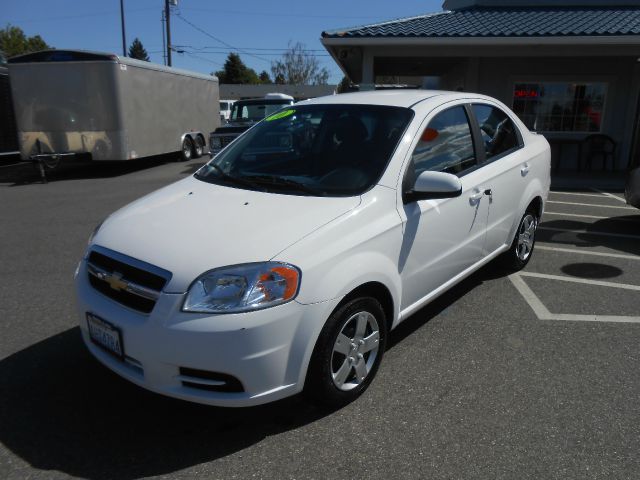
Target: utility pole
124 40
167 18
164 42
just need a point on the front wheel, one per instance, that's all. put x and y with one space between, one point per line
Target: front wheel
517 257
348 353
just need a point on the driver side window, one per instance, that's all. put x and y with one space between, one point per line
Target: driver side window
446 144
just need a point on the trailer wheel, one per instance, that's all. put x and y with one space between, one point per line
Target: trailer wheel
187 149
199 148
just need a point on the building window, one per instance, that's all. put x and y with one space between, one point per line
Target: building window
560 106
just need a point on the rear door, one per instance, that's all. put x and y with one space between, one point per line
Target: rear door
506 170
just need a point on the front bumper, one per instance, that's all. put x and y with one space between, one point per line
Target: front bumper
268 351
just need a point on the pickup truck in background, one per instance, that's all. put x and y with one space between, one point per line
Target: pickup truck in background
245 114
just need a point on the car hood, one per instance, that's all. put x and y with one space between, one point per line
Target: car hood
191 226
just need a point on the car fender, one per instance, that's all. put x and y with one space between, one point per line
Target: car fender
535 188
341 281
360 247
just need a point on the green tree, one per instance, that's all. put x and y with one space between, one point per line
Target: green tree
235 71
345 86
136 50
298 67
264 77
13 41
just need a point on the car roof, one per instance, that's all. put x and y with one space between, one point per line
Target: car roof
399 98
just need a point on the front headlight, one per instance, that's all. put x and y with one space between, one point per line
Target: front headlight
243 288
95 232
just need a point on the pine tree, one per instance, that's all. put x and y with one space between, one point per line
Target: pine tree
136 50
264 77
235 71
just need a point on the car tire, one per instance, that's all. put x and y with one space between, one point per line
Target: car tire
186 153
519 254
199 147
348 353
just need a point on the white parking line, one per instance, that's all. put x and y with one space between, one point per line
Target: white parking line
622 219
586 252
590 205
578 193
609 194
588 281
602 234
574 215
543 312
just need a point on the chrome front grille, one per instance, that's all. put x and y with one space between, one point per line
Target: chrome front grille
126 280
226 140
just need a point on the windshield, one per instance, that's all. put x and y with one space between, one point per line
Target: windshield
255 111
323 150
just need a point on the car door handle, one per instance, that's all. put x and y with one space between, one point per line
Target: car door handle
525 169
476 195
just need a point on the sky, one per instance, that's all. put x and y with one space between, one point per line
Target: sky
206 30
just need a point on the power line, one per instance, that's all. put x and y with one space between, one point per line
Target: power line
258 48
202 58
279 14
225 51
220 41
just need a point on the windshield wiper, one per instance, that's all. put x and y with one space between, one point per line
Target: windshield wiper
230 178
287 183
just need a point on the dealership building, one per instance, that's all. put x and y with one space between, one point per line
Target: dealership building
569 69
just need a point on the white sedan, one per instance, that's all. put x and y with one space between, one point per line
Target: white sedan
283 263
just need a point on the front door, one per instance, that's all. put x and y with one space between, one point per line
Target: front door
443 237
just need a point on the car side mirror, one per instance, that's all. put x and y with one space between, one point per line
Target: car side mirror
432 185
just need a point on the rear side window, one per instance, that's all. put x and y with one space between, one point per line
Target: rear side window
445 144
499 134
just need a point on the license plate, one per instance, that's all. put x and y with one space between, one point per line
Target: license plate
105 335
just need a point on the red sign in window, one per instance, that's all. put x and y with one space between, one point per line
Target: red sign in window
525 93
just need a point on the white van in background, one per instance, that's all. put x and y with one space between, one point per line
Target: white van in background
225 110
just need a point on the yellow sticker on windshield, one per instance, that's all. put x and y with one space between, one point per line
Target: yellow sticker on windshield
279 115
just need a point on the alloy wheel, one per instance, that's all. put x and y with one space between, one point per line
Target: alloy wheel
355 350
526 237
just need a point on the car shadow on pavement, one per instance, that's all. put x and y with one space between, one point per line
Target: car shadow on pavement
61 410
27 173
491 271
192 168
590 234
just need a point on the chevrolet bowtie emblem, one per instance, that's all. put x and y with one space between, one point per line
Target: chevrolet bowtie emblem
115 281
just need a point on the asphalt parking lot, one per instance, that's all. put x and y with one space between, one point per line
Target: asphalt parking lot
531 375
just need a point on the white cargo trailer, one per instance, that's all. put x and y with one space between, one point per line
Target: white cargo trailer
101 106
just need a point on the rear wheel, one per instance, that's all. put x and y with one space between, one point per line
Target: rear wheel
199 146
187 149
522 246
348 353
